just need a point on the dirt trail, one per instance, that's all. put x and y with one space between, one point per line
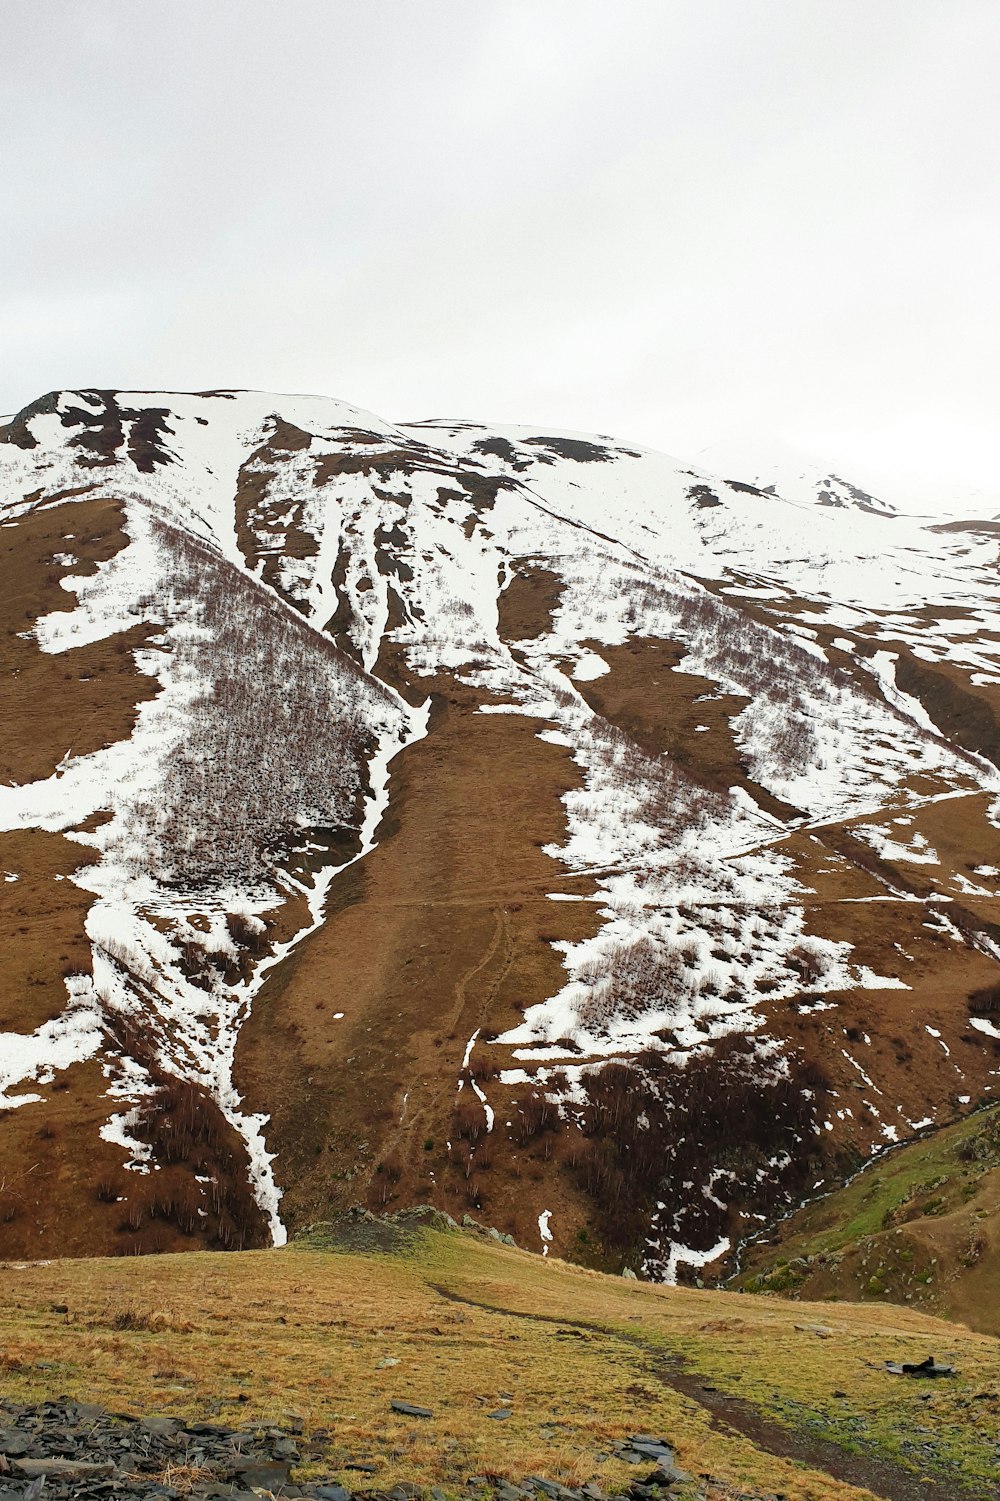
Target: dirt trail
467 1019
501 931
880 1476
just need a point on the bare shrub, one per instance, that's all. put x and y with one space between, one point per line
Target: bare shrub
388 1173
392 1167
134 1213
809 962
176 1204
814 1076
630 979
178 1118
186 1130
194 964
109 1188
469 1121
248 933
985 1002
656 1132
536 1114
135 965
276 739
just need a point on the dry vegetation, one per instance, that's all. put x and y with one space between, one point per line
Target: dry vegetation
729 1133
579 1359
277 739
765 664
199 1187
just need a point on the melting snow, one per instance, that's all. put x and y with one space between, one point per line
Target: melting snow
917 852
678 1255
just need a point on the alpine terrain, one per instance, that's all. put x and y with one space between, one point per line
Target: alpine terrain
497 819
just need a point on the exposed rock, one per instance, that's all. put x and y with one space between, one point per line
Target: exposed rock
407 1409
928 1367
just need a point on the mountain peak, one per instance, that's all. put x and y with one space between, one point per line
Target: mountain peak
779 468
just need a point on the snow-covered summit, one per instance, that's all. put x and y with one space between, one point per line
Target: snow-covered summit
778 468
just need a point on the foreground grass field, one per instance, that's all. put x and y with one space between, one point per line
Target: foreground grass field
325 1333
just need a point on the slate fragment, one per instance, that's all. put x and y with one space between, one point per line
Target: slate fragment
407 1409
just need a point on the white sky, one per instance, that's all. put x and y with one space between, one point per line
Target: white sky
670 220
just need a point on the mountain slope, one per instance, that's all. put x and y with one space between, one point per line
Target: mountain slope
777 469
918 1226
504 819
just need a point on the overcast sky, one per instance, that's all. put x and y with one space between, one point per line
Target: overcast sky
670 220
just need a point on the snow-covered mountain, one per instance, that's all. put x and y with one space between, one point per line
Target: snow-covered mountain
778 469
505 818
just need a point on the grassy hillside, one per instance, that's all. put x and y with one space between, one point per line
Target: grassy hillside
760 1398
921 1226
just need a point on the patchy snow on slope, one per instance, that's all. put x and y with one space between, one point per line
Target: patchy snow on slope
474 1085
681 1255
243 550
916 851
820 741
71 1037
225 687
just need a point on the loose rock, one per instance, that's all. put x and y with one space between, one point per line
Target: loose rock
928 1367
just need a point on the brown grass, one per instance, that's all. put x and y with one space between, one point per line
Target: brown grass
78 700
42 923
264 1332
437 933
